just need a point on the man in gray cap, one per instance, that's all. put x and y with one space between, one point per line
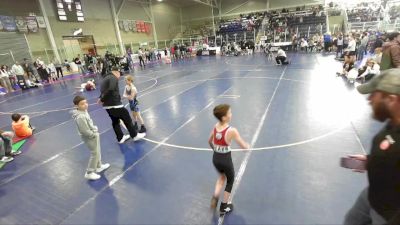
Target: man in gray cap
379 203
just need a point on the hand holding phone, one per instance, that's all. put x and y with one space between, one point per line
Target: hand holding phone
358 164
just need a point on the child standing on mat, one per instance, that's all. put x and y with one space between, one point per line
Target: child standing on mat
220 141
131 93
90 136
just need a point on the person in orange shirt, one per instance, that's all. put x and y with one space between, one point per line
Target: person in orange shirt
21 126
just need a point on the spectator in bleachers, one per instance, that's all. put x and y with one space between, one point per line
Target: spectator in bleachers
303 45
5 80
391 52
345 41
327 42
41 68
67 66
141 56
362 48
347 66
58 67
294 43
334 43
365 14
311 44
79 64
378 43
378 56
12 77
339 50
31 70
19 72
368 71
350 51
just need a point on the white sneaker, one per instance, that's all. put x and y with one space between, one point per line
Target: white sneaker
139 136
6 159
16 153
92 176
124 138
102 168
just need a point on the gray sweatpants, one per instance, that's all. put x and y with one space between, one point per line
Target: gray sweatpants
5 146
362 213
95 153
5 83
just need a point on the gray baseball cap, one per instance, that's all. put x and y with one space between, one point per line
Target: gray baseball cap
388 81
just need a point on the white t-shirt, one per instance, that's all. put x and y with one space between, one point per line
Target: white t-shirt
140 53
352 46
340 41
18 70
304 43
374 70
3 74
281 53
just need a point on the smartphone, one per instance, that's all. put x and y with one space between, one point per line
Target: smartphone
352 163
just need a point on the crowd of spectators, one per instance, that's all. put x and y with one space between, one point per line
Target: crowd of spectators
366 12
244 23
287 23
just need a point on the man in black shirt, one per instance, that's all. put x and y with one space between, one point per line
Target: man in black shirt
380 202
111 101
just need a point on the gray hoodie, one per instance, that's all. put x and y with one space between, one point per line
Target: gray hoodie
85 125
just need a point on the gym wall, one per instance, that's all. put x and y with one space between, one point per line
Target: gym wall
98 22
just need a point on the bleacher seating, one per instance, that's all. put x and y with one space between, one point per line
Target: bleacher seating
304 21
394 13
365 12
246 23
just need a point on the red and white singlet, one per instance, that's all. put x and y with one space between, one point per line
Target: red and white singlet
219 141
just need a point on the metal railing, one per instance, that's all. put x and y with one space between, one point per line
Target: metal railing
69 52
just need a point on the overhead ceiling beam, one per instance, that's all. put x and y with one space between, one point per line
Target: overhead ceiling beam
120 7
146 11
207 3
142 1
236 7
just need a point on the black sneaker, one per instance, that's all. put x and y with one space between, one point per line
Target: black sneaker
142 129
214 202
226 208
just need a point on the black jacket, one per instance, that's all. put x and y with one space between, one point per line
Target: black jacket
384 174
110 91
